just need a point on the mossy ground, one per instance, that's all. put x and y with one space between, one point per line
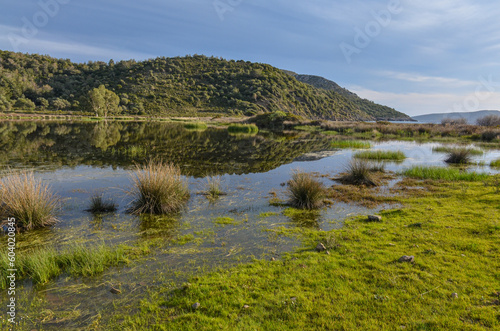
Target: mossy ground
452 229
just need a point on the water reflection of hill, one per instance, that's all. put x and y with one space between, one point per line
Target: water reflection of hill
52 145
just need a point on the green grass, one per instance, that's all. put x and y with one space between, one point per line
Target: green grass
242 128
359 172
195 126
360 285
441 173
447 149
309 128
381 155
213 187
354 144
158 189
43 264
28 200
305 192
495 163
225 221
99 205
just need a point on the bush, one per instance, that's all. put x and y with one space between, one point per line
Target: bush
359 172
28 200
158 189
489 120
490 135
305 192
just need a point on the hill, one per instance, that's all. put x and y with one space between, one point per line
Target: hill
377 111
190 85
470 117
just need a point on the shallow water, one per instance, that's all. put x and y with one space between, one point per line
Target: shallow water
78 159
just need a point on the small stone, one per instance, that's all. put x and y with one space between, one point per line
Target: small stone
196 305
246 306
115 291
327 253
407 258
273 259
391 244
320 247
374 218
454 295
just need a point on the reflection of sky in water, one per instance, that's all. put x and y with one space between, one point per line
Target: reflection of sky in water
248 197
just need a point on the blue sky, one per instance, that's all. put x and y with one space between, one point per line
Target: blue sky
418 57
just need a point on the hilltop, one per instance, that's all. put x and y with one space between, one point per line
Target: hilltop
189 86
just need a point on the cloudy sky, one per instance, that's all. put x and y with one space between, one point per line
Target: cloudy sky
418 57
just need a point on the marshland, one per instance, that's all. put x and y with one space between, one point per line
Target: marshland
179 224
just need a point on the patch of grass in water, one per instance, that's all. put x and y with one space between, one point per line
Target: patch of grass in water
268 214
495 163
195 126
243 128
442 173
354 144
225 221
381 155
305 192
99 205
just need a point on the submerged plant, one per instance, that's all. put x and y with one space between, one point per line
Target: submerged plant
99 205
305 192
158 189
459 156
359 172
28 200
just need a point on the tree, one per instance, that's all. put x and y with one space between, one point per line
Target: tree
24 104
60 104
489 120
104 101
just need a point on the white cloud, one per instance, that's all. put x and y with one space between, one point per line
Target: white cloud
435 80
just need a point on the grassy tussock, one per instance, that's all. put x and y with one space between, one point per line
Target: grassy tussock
354 144
459 156
359 172
158 189
28 200
305 192
195 126
243 128
440 173
213 187
381 155
99 205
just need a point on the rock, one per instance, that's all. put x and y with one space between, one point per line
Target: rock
320 247
374 218
327 253
454 295
246 306
273 259
115 291
407 258
391 244
196 305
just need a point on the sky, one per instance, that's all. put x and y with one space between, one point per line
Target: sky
420 57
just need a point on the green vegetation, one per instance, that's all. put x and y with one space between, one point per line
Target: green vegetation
305 192
458 156
447 149
360 285
354 144
243 128
44 264
225 220
158 189
381 155
99 205
441 173
28 200
358 172
187 86
495 163
213 187
195 126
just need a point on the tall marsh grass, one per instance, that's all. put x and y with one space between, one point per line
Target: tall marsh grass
305 192
459 156
158 189
381 155
359 172
99 205
28 200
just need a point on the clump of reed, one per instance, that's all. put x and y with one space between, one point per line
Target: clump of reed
442 173
381 155
459 156
158 189
243 128
360 172
305 192
28 200
213 187
99 205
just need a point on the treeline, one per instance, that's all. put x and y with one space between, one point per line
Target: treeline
163 86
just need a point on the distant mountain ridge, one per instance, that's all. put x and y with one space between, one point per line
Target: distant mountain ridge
470 117
378 111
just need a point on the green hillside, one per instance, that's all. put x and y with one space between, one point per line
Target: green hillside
191 85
